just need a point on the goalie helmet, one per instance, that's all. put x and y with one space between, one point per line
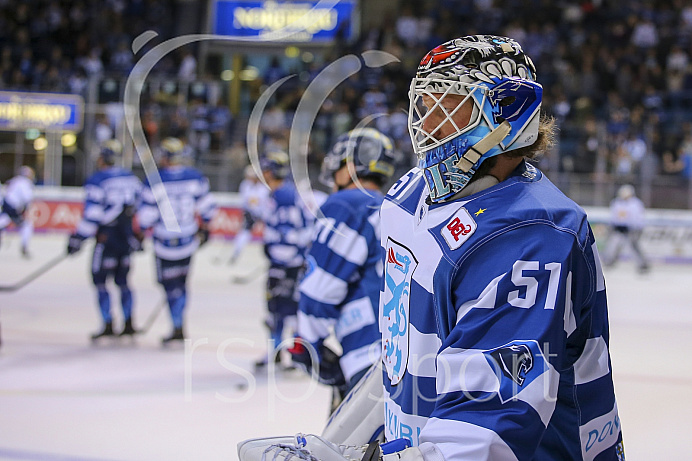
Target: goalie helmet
276 163
371 152
472 98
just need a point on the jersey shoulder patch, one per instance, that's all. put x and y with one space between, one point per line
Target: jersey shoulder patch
458 229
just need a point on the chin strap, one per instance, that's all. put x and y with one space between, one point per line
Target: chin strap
475 152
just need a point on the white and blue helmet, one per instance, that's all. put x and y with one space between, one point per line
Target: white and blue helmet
371 152
495 77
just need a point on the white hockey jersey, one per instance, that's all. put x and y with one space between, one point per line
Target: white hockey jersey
255 196
627 212
19 193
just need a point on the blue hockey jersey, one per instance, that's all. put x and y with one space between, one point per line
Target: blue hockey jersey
495 326
288 227
112 197
188 193
341 287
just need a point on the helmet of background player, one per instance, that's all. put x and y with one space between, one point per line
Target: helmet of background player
249 172
172 150
276 162
472 98
110 151
626 191
371 152
27 172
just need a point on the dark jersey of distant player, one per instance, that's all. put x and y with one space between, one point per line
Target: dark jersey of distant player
495 325
288 227
112 197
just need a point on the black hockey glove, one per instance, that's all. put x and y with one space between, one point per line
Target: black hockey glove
300 355
203 235
330 370
74 244
136 241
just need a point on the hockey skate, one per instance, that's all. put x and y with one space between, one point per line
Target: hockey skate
128 329
263 363
175 336
107 332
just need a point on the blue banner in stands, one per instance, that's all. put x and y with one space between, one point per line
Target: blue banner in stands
305 21
44 111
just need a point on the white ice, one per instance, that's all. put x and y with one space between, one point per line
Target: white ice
62 398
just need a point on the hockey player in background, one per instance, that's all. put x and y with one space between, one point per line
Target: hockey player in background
19 192
287 233
112 197
254 195
187 191
627 222
341 287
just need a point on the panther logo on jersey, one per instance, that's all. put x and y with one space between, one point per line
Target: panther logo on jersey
517 365
515 361
399 268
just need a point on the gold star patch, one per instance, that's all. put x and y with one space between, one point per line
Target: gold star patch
480 211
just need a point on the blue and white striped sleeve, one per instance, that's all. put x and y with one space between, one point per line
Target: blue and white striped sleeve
337 253
148 214
93 210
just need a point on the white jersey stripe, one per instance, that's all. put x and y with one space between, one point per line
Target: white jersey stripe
354 316
465 370
348 244
599 433
593 362
600 280
462 441
312 328
423 366
324 287
486 300
359 359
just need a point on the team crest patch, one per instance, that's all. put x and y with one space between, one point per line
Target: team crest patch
399 268
516 365
458 229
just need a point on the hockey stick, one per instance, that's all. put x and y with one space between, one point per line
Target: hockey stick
36 274
152 317
250 276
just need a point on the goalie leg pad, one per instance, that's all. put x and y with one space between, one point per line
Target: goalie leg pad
360 418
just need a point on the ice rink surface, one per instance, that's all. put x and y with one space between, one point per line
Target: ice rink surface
62 398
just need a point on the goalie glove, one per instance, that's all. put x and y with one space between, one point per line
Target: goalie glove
307 447
311 447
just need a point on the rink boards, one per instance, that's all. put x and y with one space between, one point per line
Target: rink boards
667 234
